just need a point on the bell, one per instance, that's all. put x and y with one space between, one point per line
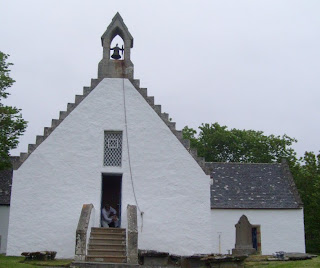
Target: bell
116 54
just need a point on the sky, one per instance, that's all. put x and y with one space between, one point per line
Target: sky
244 64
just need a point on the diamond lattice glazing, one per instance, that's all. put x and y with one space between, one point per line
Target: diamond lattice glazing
112 148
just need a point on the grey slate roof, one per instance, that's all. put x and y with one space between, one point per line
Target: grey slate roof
252 186
5 186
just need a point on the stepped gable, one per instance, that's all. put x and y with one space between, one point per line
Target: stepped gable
109 68
56 122
252 186
171 125
86 91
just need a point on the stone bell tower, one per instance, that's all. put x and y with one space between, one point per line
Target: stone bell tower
116 67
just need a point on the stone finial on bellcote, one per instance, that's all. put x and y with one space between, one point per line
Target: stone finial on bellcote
119 64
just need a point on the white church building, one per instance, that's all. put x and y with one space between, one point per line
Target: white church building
114 145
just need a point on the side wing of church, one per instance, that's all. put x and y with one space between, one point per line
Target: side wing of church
115 146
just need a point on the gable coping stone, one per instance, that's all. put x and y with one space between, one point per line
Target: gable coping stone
171 125
86 91
56 122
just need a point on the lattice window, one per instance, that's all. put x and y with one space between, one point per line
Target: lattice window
112 148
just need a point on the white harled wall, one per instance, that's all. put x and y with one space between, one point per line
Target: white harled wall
4 222
64 172
281 229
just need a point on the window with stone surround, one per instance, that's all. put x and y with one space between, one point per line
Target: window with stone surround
112 148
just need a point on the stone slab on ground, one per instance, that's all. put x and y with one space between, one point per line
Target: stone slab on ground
40 255
151 258
154 259
295 256
225 261
101 265
278 259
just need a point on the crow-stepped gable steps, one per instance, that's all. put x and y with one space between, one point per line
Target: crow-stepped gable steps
115 68
86 91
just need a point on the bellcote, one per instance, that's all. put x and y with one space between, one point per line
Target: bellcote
119 64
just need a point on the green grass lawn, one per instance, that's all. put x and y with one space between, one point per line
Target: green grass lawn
18 262
315 262
13 262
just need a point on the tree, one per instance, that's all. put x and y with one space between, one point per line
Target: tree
218 144
307 178
12 124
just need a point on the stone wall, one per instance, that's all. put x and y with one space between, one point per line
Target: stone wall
281 229
4 222
65 171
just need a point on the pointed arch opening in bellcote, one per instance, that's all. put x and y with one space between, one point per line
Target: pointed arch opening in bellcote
116 61
117 42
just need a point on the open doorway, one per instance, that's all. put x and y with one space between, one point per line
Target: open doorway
111 192
256 238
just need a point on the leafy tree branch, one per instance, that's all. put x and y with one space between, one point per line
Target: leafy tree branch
12 125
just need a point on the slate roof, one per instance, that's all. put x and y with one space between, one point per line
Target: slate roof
5 186
252 186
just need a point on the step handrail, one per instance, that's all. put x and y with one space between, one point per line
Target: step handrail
132 235
86 221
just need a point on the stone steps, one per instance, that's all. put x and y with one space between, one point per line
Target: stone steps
115 246
106 258
112 252
107 245
107 241
77 264
107 230
107 236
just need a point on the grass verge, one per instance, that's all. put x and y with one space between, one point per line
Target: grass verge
313 263
18 262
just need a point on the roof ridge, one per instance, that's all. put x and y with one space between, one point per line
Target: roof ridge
243 163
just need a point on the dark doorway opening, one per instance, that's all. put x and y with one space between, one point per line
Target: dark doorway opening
256 238
111 192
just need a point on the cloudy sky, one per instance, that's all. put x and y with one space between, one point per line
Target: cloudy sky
245 64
